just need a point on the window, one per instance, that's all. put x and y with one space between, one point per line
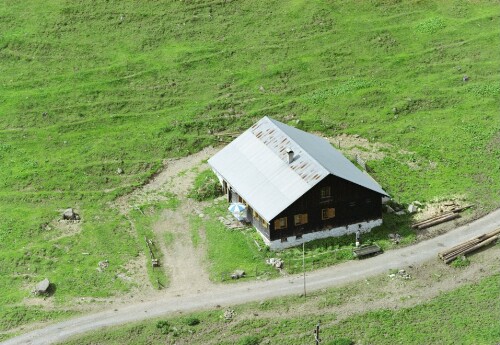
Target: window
326 192
300 219
327 213
280 223
258 218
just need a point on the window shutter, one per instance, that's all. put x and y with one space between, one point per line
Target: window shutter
331 213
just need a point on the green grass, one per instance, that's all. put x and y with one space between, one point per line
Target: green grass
86 89
206 186
232 249
467 315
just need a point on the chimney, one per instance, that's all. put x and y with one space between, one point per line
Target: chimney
290 155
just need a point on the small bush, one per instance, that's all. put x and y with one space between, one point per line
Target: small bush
461 261
206 186
192 321
163 326
249 340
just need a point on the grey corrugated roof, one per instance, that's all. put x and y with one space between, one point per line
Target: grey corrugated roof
256 165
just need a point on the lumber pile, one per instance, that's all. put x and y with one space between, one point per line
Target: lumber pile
469 246
444 217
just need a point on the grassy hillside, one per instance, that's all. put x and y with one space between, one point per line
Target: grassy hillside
90 87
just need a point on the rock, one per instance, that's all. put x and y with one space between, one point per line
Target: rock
42 287
69 214
102 265
412 208
396 238
276 262
229 314
389 209
400 213
119 171
237 274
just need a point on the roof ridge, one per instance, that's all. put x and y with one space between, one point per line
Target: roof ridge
295 142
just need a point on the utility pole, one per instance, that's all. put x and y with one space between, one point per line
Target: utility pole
304 265
316 333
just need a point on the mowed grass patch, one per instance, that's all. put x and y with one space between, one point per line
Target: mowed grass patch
468 314
232 249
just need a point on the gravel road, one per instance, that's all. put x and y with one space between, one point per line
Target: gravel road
226 295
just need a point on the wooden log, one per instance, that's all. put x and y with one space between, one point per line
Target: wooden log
463 248
474 248
458 249
439 221
428 220
468 244
472 241
460 209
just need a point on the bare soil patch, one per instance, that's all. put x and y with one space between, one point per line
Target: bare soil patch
183 262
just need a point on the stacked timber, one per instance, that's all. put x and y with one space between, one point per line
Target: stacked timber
469 246
447 216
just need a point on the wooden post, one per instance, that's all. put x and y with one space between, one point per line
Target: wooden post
304 265
316 333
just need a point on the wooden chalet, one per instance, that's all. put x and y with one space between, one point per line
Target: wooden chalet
297 187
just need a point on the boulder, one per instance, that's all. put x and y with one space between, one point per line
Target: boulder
412 208
42 287
238 274
70 214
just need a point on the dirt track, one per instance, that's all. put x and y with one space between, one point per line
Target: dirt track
224 295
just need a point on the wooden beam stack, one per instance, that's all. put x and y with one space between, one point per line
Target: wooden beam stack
447 216
469 246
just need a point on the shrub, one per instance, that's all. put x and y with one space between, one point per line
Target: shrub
163 326
192 321
206 186
461 261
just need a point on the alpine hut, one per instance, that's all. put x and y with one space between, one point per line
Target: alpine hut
296 187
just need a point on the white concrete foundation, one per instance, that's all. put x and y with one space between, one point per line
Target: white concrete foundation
335 232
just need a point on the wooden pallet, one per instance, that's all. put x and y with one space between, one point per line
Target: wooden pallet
372 249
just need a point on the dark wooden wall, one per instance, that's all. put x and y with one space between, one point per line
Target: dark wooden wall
352 203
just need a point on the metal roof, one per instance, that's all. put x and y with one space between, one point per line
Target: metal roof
256 166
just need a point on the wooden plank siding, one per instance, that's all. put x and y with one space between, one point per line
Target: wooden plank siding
351 203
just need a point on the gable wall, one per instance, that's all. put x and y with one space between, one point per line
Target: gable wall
352 204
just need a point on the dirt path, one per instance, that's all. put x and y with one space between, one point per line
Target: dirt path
225 295
182 261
